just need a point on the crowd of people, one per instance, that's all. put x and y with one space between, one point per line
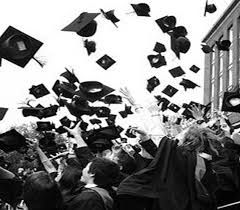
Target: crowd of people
192 165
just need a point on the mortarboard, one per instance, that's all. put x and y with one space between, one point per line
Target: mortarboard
39 91
84 25
165 118
161 100
157 61
3 112
159 47
231 101
83 125
126 111
141 9
90 46
111 119
11 140
70 76
93 90
179 31
61 130
110 16
170 91
77 109
45 126
173 107
102 111
210 8
64 89
187 84
206 48
112 99
105 62
130 134
177 72
180 45
49 111
65 121
178 121
18 47
223 45
152 83
166 23
194 68
32 111
95 121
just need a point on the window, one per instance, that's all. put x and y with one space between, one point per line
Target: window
220 83
220 99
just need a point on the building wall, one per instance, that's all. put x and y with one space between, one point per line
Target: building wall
222 67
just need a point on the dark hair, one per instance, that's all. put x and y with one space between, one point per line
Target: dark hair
127 163
40 192
70 178
105 171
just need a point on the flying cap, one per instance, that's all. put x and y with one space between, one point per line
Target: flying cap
231 102
180 45
194 69
70 76
173 107
176 72
18 47
206 48
126 111
156 61
3 112
170 90
141 9
105 62
39 91
112 99
90 46
110 16
161 100
95 121
188 84
159 47
166 23
65 121
84 25
223 45
102 111
210 8
152 83
45 126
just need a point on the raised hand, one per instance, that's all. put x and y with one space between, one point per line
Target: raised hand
197 112
76 131
126 94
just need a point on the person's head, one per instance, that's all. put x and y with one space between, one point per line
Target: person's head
100 171
200 140
40 192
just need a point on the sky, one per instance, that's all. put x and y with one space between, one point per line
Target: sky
129 45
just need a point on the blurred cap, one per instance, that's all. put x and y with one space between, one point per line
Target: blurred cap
102 111
3 112
126 111
152 83
112 99
90 46
32 111
39 91
141 9
79 109
194 68
231 102
64 89
188 84
95 121
159 47
166 23
105 62
170 90
210 8
11 140
156 61
84 25
65 121
70 76
173 107
111 119
93 90
110 16
161 100
49 111
223 45
45 126
18 47
177 72
180 45
206 48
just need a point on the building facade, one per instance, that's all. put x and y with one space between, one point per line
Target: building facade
222 67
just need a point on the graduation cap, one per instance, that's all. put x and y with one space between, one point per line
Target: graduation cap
93 90
3 112
206 48
45 126
166 23
223 45
180 45
194 68
111 119
157 60
231 102
187 84
179 31
112 99
161 100
64 89
102 111
84 25
12 140
177 72
49 111
130 134
95 121
78 110
18 47
210 8
152 83
32 111
159 47
165 118
61 130
110 16
173 107
141 9
65 121
70 76
39 91
170 90
105 62
126 111
90 46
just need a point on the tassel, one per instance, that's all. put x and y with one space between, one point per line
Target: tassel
41 63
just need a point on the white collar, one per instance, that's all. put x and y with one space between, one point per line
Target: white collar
205 156
90 185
